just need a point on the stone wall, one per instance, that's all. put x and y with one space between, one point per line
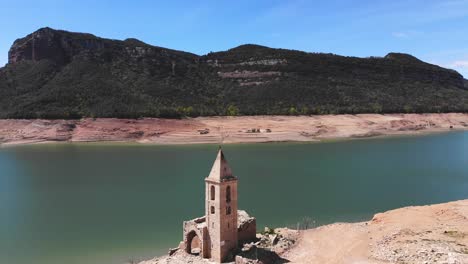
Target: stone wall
198 228
246 227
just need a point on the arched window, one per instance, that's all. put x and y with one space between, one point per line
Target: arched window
212 192
228 194
212 209
228 210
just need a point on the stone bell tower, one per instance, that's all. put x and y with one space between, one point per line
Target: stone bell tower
221 209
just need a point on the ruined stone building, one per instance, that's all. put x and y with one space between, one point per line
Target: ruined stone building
217 234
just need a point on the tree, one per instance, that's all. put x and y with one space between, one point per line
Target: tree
232 110
376 108
292 111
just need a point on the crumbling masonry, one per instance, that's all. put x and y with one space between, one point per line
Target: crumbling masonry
217 234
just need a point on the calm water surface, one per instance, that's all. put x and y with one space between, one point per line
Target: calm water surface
107 203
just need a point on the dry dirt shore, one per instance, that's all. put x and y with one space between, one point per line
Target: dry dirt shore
216 130
417 235
421 234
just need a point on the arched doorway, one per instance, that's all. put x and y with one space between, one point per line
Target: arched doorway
194 244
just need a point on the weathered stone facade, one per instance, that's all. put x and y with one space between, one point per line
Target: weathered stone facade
196 237
246 227
217 234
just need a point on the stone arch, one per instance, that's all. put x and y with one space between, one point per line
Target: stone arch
194 243
196 238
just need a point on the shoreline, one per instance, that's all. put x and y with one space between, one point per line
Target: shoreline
137 143
435 233
227 130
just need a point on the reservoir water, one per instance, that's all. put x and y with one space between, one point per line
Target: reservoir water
111 203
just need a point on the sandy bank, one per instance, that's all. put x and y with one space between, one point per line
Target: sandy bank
216 130
423 234
418 234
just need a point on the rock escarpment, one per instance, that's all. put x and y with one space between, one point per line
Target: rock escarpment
59 74
58 46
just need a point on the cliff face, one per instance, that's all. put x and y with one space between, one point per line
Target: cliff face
58 46
59 74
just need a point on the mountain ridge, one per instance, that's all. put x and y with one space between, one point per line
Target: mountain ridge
59 74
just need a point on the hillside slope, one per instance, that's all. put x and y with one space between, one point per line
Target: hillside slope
59 74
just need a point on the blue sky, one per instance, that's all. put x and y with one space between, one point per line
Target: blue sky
434 31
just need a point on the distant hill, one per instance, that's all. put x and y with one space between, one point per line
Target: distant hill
59 74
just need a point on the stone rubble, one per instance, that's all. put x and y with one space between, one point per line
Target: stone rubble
266 249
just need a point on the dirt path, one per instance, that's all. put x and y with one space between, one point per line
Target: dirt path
321 245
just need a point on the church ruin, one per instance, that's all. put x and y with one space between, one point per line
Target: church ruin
216 235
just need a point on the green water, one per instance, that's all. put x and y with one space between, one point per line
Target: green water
107 203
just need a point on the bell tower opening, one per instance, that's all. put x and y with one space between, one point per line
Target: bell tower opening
228 194
212 192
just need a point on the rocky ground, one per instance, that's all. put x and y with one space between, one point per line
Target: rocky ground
267 248
226 129
417 235
421 234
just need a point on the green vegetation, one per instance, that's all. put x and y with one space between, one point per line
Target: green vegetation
232 110
455 234
268 231
75 75
293 111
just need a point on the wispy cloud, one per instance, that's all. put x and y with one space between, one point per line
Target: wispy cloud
456 59
400 34
460 63
460 66
407 34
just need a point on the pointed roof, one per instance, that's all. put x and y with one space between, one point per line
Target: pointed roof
220 170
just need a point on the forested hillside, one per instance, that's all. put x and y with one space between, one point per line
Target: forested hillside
59 74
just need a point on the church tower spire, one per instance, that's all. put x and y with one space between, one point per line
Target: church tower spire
220 170
221 208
